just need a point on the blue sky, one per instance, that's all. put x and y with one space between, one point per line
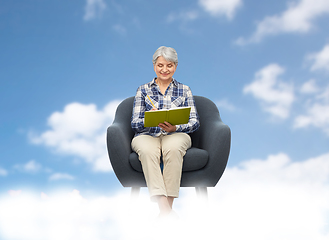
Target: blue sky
65 65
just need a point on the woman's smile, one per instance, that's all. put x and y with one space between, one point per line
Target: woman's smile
164 69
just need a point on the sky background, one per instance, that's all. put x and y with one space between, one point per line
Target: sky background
65 66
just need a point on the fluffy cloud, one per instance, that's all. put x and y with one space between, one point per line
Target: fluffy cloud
275 96
120 29
225 104
29 167
316 108
215 8
309 87
317 115
277 198
185 16
320 60
93 8
297 18
317 104
60 176
260 199
80 130
221 7
3 172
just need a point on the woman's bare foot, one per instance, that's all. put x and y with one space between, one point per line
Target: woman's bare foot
164 206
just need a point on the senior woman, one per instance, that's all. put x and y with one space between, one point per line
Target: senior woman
170 141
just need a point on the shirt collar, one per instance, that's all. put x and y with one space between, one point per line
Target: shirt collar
174 81
152 82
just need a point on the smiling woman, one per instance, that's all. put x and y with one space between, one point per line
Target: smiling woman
164 70
170 141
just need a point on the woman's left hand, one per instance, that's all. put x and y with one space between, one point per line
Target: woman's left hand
167 127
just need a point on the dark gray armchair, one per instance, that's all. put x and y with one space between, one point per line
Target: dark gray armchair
204 163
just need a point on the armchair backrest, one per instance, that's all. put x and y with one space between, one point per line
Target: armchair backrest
123 116
207 111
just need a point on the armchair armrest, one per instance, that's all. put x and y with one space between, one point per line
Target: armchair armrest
216 140
118 145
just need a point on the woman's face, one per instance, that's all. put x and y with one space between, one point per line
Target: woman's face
164 69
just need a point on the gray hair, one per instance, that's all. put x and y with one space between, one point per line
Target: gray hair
167 53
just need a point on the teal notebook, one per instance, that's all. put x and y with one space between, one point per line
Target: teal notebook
174 116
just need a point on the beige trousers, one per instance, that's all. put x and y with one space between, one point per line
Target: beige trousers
173 148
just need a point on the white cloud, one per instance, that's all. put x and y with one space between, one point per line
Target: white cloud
317 112
69 216
61 176
227 8
120 29
14 193
3 172
225 104
80 130
320 59
309 87
317 115
29 167
184 16
93 8
275 96
274 198
297 18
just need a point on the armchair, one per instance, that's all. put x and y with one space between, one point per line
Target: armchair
204 163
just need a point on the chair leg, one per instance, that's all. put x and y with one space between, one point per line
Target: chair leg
135 192
202 192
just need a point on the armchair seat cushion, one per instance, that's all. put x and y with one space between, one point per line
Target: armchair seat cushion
194 159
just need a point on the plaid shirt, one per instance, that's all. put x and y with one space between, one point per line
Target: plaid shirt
176 95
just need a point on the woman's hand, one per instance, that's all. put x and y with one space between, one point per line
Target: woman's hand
167 127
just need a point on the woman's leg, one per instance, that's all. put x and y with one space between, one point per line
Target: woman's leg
170 201
148 149
174 147
164 205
